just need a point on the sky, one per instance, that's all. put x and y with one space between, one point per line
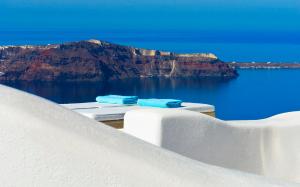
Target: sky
248 15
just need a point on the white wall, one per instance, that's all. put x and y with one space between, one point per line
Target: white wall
269 147
43 144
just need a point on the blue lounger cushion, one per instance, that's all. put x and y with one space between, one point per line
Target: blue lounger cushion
117 99
160 103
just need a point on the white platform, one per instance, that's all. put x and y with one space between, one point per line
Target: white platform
43 144
107 112
269 147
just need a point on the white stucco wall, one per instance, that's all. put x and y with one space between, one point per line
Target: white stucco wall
269 147
43 144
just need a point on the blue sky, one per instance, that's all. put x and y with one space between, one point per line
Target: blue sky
279 15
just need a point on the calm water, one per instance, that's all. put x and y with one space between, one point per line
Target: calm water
254 94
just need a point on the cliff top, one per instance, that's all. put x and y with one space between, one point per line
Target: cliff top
143 52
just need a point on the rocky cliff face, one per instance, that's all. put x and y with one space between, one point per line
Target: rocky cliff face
95 61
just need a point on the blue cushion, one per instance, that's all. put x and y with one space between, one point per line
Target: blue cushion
160 103
117 99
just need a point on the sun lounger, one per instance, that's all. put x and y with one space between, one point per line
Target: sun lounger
113 114
91 105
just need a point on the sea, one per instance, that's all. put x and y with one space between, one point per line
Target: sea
254 94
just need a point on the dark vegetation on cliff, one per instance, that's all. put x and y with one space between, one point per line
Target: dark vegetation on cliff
96 61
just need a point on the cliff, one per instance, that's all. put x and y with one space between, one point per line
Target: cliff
95 60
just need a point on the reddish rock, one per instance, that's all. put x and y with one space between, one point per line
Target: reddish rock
96 61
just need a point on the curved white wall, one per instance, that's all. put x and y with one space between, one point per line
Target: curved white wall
269 147
43 144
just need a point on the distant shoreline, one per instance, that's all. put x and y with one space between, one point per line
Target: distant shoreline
264 65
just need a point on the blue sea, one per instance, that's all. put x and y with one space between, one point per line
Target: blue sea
254 94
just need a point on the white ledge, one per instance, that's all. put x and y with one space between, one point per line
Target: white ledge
44 144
